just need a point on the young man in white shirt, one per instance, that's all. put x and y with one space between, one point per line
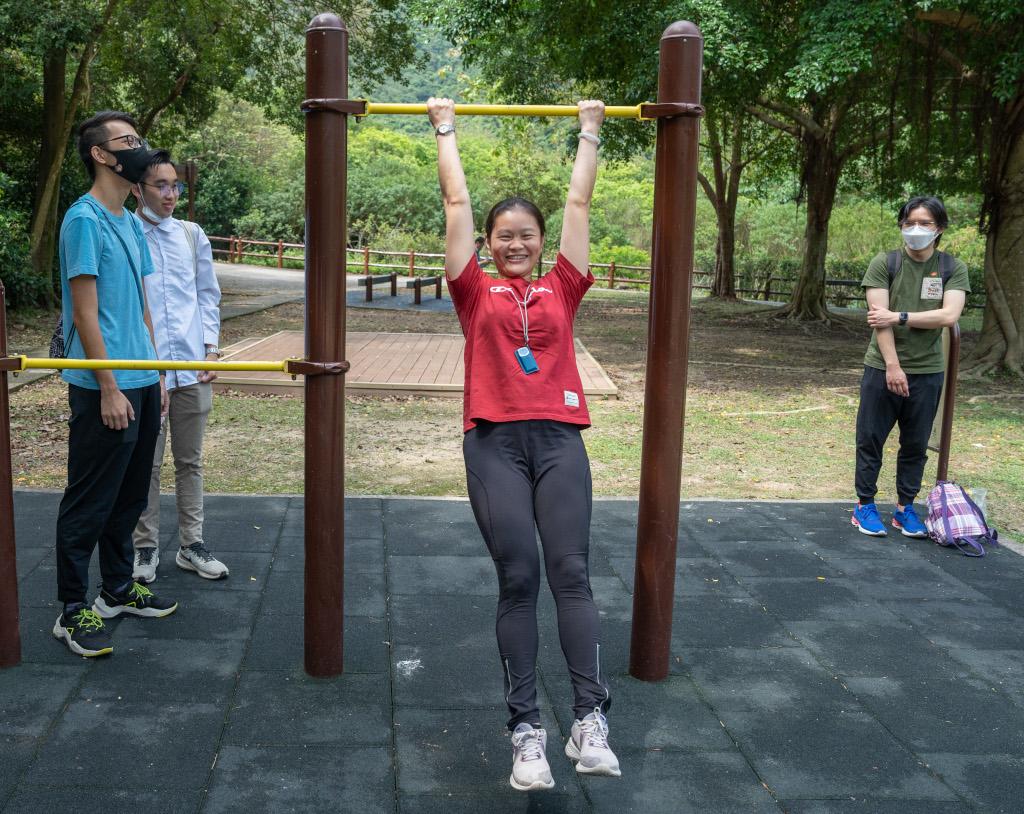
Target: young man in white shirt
184 299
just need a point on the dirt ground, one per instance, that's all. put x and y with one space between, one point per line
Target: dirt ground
770 414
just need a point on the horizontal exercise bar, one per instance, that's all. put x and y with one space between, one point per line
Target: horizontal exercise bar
610 112
292 366
645 111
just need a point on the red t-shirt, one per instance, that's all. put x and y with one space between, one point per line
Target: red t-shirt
489 310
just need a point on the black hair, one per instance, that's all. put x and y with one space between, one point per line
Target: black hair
479 240
934 206
93 131
515 202
160 157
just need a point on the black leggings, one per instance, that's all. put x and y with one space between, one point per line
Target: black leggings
524 477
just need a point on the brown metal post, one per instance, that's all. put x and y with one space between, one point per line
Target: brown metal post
949 402
10 638
366 260
326 166
412 264
675 203
280 254
611 274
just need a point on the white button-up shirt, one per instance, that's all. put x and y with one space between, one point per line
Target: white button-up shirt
183 296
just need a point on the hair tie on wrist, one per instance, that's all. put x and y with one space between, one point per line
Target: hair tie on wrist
595 140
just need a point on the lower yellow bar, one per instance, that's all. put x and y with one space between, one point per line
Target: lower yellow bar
610 112
146 364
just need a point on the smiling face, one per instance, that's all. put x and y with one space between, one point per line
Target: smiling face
158 190
515 243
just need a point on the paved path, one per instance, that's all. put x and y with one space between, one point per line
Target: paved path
813 670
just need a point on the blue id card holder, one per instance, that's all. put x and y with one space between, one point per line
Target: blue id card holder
526 361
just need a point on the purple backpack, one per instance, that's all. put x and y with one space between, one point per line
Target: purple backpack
955 520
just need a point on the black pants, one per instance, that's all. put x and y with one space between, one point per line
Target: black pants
524 477
108 485
880 410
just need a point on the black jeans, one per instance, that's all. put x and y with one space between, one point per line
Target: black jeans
524 477
880 410
108 486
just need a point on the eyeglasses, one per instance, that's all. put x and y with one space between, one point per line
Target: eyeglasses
177 188
927 224
130 141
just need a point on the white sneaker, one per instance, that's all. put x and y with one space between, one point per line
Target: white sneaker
146 561
198 558
588 746
530 769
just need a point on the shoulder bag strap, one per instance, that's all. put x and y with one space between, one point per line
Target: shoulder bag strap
193 243
893 263
135 271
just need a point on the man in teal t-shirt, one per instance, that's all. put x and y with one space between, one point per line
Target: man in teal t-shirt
903 366
115 415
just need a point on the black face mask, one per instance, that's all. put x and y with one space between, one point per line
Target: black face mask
134 163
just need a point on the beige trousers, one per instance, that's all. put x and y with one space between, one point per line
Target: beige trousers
186 421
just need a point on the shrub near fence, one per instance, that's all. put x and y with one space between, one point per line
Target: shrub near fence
756 278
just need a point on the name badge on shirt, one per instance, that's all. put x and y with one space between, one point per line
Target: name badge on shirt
931 288
571 399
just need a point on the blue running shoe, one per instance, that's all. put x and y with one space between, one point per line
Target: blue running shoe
908 522
865 518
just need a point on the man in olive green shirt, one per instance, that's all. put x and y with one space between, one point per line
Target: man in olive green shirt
904 364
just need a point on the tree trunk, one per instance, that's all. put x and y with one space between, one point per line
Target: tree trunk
49 171
724 284
51 149
821 169
1001 345
723 198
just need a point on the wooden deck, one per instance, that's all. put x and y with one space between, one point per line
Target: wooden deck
385 364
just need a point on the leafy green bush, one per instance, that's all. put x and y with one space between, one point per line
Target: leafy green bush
22 288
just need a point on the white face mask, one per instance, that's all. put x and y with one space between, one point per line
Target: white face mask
153 216
917 237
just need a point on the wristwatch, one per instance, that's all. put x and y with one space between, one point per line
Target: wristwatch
444 129
904 316
214 350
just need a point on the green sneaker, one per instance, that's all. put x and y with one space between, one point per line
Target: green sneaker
138 600
84 633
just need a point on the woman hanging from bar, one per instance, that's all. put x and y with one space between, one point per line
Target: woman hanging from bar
526 465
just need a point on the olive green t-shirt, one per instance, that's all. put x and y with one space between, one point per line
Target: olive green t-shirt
919 349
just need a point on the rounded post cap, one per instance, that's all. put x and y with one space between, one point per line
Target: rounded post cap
327 20
682 28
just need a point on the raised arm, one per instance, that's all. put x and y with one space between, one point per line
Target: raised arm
576 220
458 214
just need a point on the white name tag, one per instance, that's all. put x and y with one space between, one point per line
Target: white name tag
571 399
931 288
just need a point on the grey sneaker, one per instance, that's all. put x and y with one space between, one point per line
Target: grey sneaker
588 746
530 769
146 561
198 558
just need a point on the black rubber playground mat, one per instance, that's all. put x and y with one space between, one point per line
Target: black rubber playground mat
812 669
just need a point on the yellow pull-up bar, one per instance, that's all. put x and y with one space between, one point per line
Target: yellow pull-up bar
645 111
292 366
402 109
28 363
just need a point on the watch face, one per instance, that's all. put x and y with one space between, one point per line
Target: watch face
445 129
